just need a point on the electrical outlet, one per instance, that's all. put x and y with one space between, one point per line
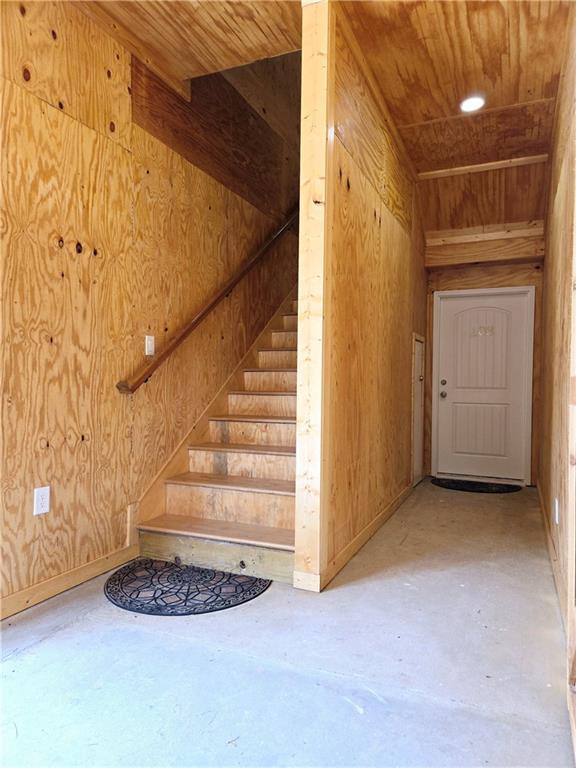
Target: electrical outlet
556 511
42 500
149 346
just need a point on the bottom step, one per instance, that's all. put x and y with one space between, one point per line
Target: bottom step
233 547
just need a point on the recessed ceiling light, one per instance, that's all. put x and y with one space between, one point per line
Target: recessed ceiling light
472 103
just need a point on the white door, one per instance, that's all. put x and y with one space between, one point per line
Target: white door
417 410
482 383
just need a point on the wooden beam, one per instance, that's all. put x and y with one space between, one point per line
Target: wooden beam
218 132
488 232
518 250
481 167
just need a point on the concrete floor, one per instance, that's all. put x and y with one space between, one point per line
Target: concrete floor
440 644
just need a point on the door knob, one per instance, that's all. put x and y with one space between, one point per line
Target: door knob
443 394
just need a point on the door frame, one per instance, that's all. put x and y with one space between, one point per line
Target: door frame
416 337
529 291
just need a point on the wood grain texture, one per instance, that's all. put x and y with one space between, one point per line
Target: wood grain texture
361 294
438 52
487 276
493 165
219 133
272 87
256 561
376 302
101 246
363 126
557 476
186 39
63 339
497 134
189 231
509 251
473 199
44 50
317 141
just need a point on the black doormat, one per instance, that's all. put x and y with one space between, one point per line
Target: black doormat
474 486
158 588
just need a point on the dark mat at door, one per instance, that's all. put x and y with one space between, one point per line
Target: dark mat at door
474 486
158 588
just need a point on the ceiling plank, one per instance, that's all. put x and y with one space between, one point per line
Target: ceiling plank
184 39
481 167
472 139
437 53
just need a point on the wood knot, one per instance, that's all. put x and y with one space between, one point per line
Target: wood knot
22 11
54 35
60 105
60 243
26 74
78 247
112 127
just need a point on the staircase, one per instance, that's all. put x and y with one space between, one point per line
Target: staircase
234 508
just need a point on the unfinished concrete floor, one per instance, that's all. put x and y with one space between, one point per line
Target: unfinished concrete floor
440 644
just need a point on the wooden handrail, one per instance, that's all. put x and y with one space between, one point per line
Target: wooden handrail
141 376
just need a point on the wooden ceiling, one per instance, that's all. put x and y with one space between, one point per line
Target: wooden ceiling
428 56
184 39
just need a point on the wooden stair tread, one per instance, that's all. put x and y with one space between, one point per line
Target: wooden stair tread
255 419
234 483
221 530
273 450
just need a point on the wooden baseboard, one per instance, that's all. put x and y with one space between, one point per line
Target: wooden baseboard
316 582
30 596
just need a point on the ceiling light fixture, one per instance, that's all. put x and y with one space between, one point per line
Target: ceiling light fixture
472 103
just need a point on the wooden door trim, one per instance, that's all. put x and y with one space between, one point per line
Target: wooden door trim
416 337
530 292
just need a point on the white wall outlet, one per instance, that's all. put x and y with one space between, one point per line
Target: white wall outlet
42 500
149 346
556 511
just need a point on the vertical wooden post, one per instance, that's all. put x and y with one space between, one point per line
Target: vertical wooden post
317 143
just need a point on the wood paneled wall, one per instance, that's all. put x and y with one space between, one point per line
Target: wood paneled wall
556 477
106 235
362 294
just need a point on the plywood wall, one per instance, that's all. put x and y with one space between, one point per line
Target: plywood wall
363 296
559 304
106 235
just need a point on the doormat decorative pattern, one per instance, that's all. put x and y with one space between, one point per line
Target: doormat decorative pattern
474 486
158 588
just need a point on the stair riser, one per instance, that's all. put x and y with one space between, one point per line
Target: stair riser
284 339
243 464
220 555
269 509
263 405
257 433
290 323
277 359
270 381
